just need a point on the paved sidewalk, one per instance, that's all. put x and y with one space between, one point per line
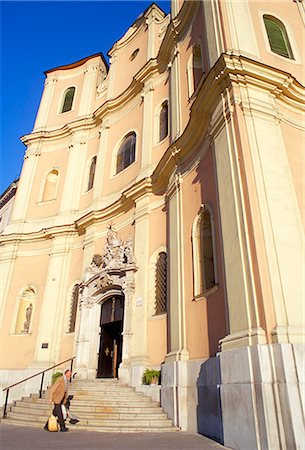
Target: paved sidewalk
24 438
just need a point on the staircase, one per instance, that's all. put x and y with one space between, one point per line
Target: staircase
100 405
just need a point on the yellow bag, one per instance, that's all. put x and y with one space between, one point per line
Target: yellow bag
52 423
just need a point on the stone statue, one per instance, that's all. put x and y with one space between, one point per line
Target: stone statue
28 314
128 251
113 255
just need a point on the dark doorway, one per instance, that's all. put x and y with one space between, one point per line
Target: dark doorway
111 325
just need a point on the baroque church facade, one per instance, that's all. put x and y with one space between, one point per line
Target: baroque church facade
158 220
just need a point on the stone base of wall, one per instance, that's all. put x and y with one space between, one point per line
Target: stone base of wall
262 397
190 394
248 398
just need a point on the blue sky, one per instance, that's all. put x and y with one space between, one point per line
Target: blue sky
37 36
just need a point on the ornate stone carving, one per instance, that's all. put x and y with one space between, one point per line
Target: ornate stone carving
116 254
86 302
104 281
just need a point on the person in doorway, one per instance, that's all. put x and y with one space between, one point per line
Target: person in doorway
58 395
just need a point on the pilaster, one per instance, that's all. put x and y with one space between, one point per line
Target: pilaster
281 223
89 89
8 254
242 300
112 75
140 307
25 185
175 97
177 326
74 173
147 131
45 103
53 304
101 160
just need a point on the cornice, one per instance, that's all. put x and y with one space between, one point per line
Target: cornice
79 63
149 70
281 84
42 234
80 124
229 71
123 204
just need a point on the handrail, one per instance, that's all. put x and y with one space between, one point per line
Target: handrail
7 389
36 374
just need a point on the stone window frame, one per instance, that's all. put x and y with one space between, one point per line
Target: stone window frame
293 44
190 66
63 98
41 200
89 186
68 309
156 122
152 271
115 152
199 292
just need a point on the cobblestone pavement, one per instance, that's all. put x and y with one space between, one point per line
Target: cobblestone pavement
25 438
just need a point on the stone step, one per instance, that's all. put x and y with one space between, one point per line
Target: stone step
86 411
101 421
100 406
97 402
111 429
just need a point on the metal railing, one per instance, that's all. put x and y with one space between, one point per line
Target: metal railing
7 389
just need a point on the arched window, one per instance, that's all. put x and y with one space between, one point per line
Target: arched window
68 100
204 252
161 284
91 173
163 122
195 69
73 309
127 152
277 36
50 186
25 311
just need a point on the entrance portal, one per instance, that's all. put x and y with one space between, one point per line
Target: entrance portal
111 326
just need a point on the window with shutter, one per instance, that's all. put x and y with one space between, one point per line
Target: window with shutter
73 310
68 100
126 153
277 36
161 284
91 173
206 251
163 125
